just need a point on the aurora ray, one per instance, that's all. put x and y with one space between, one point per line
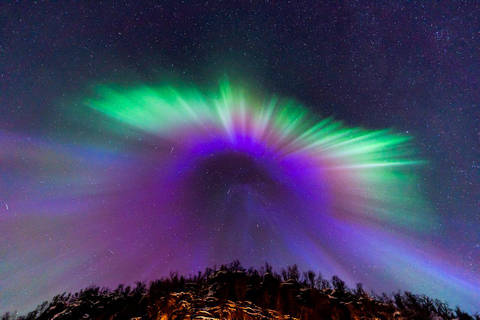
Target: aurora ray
366 175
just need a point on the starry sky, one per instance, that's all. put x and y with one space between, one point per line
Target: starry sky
138 138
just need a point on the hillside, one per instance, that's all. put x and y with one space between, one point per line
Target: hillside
235 293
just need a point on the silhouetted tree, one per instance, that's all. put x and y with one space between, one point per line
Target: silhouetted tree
325 284
173 276
442 309
236 266
338 284
141 288
277 276
397 299
310 277
293 272
319 281
268 267
8 316
385 298
254 276
208 272
360 292
462 315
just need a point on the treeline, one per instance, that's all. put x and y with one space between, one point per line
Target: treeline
128 302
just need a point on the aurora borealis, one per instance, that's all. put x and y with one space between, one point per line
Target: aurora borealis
197 179
328 145
231 141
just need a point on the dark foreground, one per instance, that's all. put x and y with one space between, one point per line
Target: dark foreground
235 293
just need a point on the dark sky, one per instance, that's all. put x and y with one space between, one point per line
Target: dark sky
407 65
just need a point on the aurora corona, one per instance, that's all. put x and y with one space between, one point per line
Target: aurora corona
180 180
328 170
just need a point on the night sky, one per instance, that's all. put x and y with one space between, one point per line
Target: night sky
137 138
